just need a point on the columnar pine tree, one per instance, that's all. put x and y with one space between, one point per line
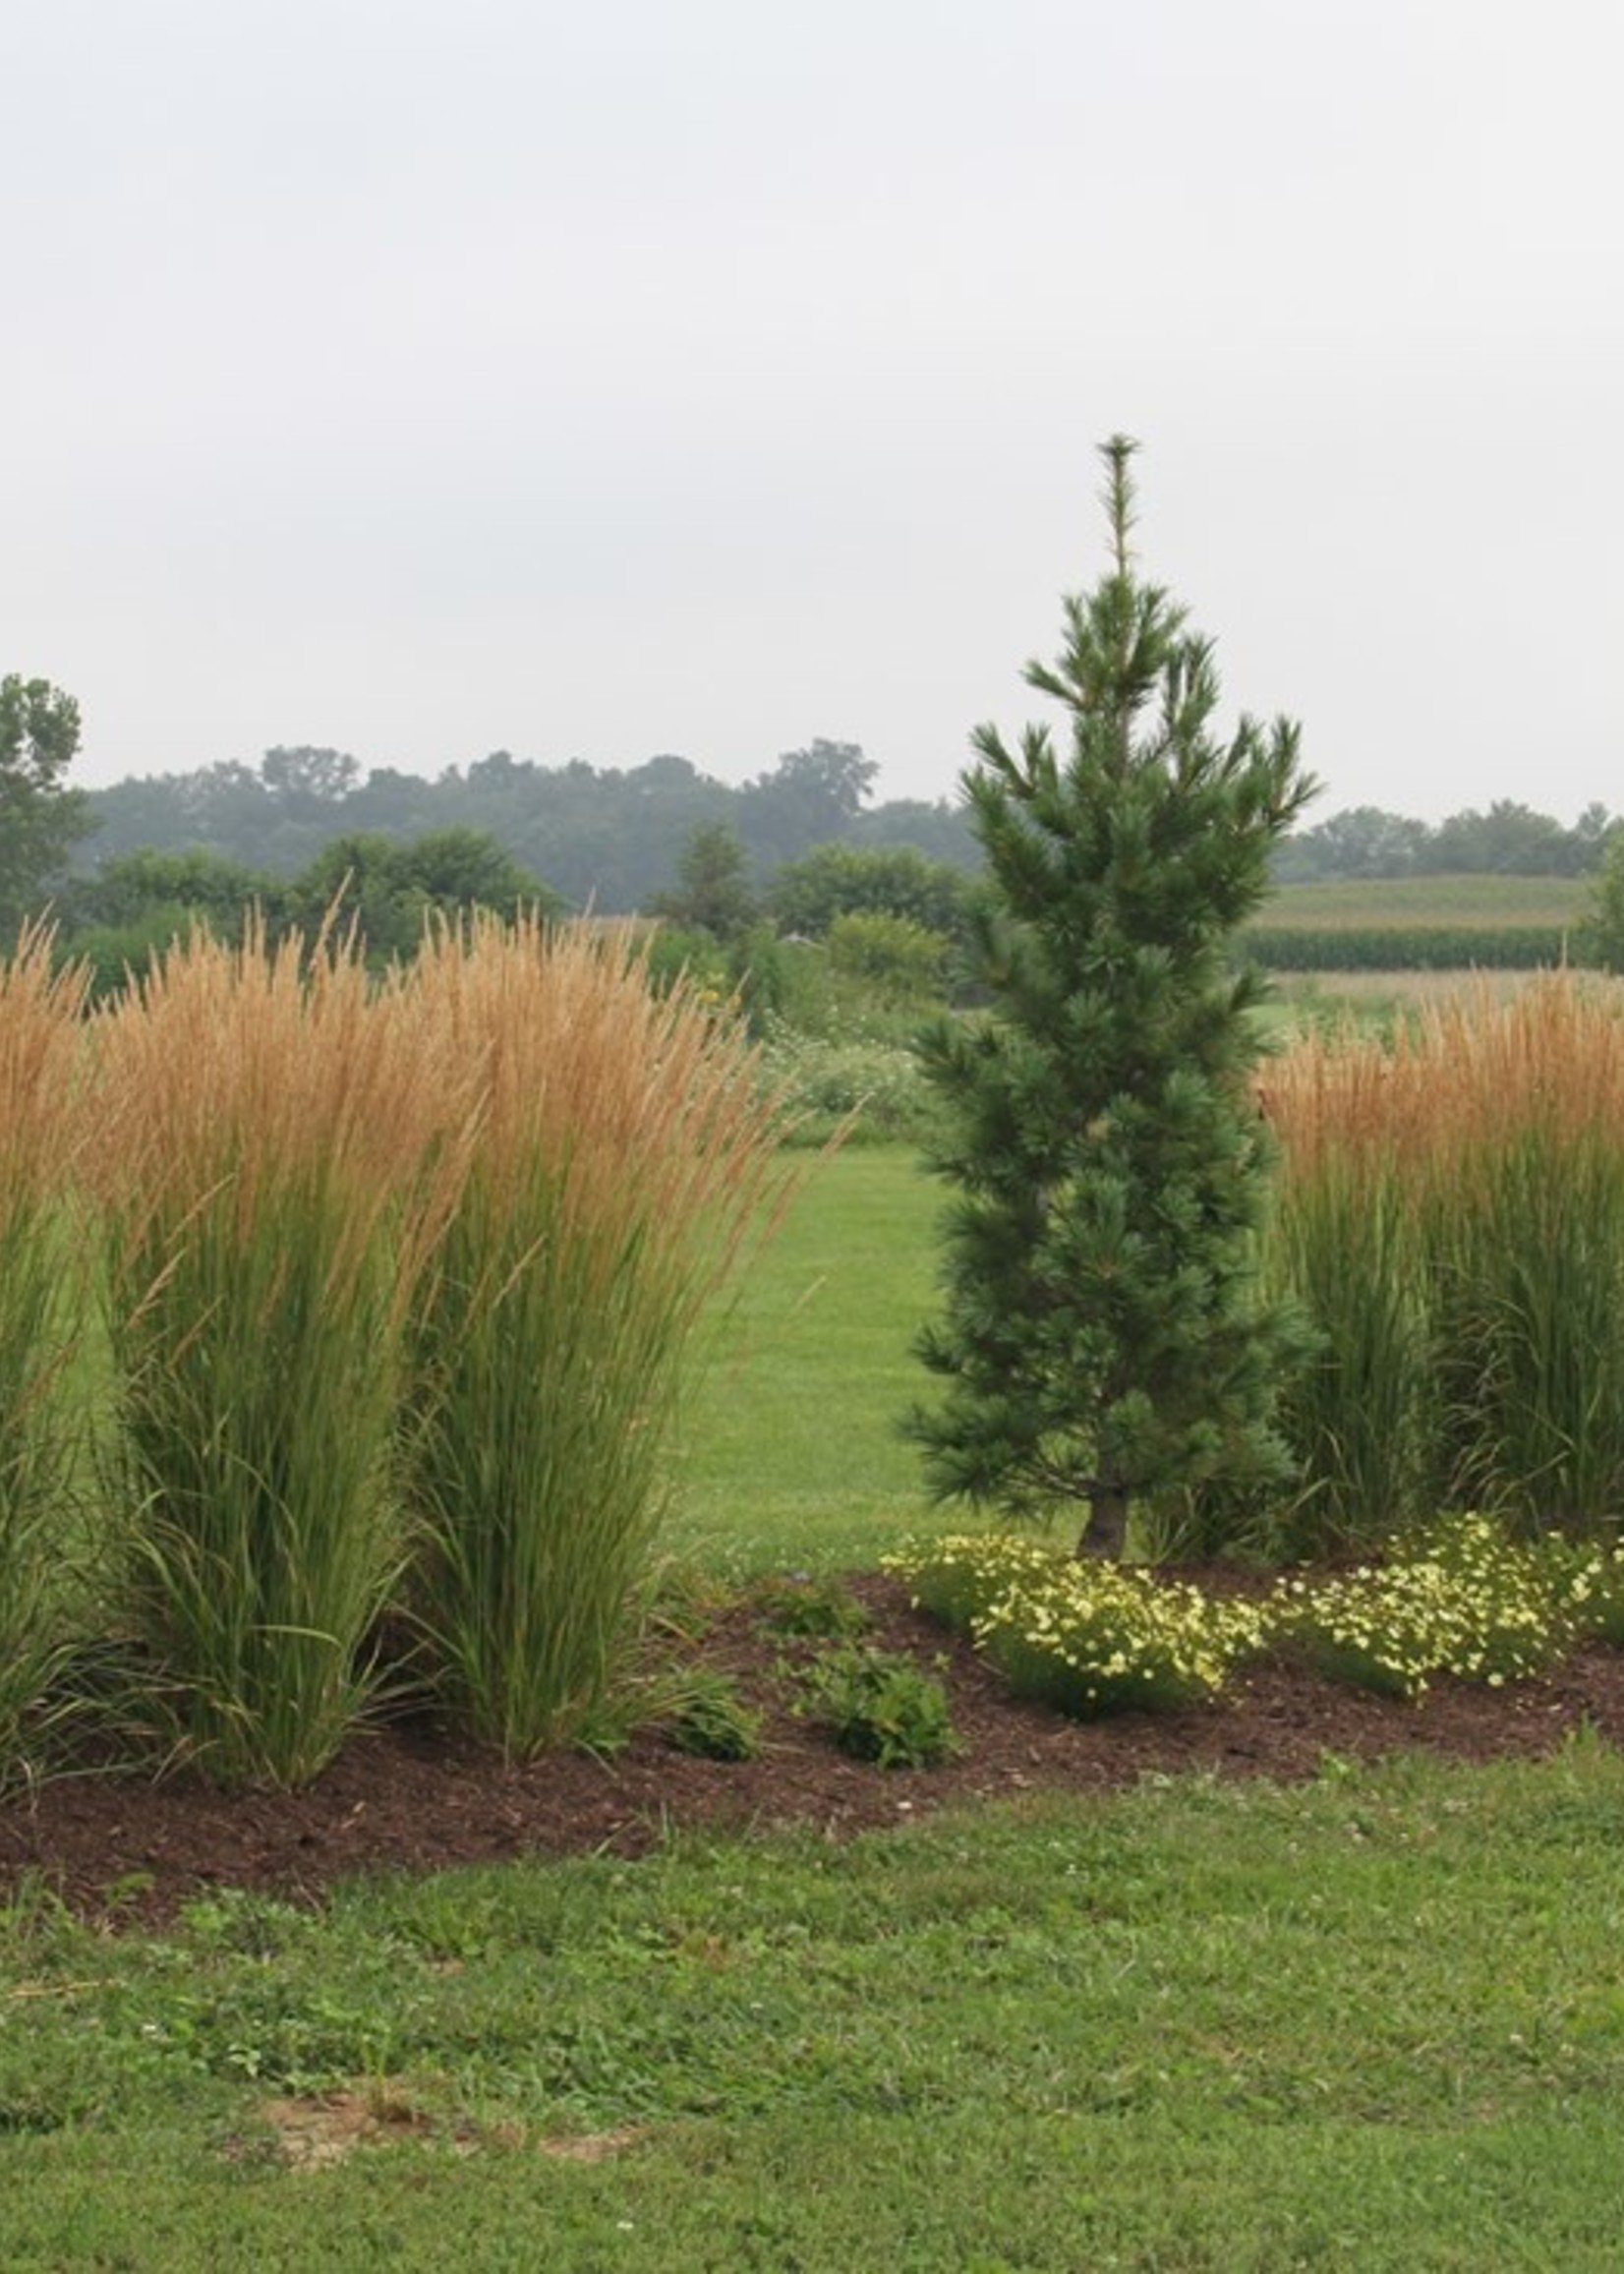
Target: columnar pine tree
1104 1338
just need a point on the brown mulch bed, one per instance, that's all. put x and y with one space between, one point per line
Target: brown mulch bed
405 1800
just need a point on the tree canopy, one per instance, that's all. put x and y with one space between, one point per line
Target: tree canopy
40 817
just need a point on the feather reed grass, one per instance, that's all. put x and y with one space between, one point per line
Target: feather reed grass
1451 1213
265 1158
39 1038
622 1153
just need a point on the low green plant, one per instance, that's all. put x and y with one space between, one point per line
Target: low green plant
1588 1581
711 1720
812 1607
879 1706
685 1602
1458 1598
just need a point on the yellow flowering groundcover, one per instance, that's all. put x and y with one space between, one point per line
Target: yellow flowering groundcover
1088 1638
1457 1597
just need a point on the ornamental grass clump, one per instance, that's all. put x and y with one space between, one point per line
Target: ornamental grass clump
1522 1219
39 1034
261 1153
1459 1598
620 1152
1341 1244
1451 1217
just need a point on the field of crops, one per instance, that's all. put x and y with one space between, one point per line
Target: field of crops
1421 924
1425 902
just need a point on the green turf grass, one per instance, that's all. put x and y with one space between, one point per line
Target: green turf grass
791 1446
1376 2023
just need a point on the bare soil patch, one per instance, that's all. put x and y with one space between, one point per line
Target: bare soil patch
407 1799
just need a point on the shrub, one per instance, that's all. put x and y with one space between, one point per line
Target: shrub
810 895
862 1089
903 962
879 1705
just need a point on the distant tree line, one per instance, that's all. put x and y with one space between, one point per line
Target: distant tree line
1506 840
602 836
612 836
797 846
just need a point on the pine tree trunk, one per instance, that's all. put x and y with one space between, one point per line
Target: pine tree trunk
1106 1533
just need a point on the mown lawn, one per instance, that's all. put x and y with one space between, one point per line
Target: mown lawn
1376 2023
1372 2024
793 1450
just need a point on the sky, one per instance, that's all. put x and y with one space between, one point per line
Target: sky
423 380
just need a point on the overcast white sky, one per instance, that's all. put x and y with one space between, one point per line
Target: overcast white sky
591 381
